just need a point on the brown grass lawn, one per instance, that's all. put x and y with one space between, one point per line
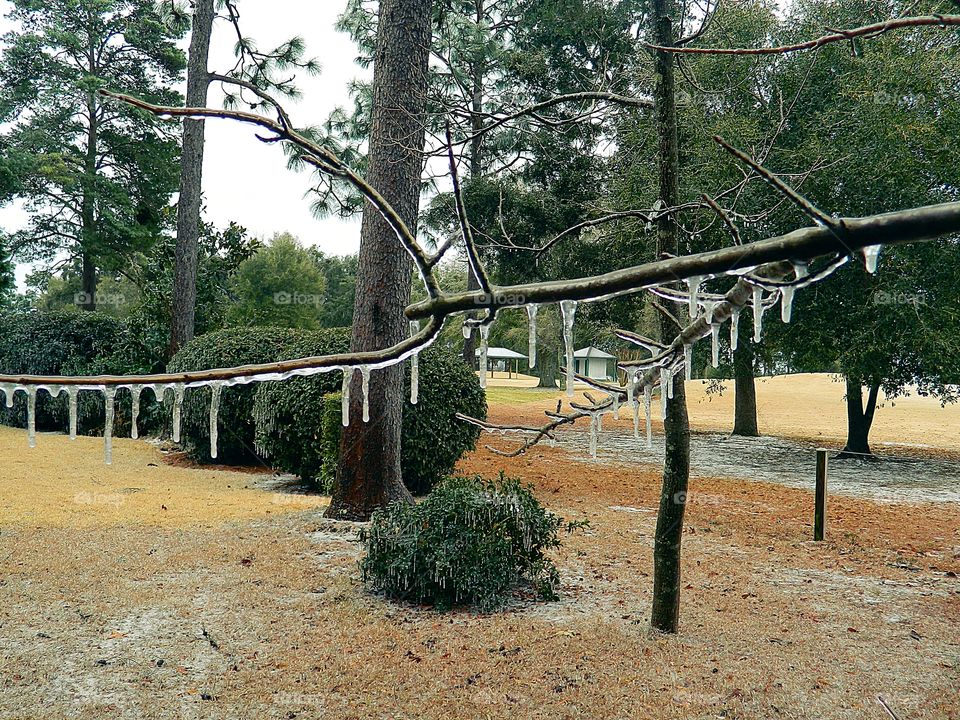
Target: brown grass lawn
152 590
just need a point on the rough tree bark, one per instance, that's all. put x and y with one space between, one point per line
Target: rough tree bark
369 476
665 610
183 309
859 418
745 391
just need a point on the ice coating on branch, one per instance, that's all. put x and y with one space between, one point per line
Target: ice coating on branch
694 282
568 310
178 391
72 393
757 313
414 367
871 254
109 404
665 383
786 302
484 340
594 430
734 328
32 416
345 397
647 398
532 343
801 269
215 390
135 410
365 392
688 360
715 344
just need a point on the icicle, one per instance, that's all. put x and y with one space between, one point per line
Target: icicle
708 308
694 282
72 393
715 347
688 360
365 392
215 391
786 302
568 309
532 323
599 422
32 416
135 411
594 429
414 367
871 254
647 398
484 339
467 331
631 398
757 313
664 390
345 397
801 269
616 405
109 397
10 391
177 411
734 328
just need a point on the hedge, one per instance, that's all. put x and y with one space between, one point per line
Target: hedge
299 422
71 342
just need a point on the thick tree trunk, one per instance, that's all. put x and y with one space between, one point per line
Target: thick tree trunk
665 610
368 475
859 419
183 310
745 392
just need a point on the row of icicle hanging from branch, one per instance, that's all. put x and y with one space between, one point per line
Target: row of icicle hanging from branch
662 360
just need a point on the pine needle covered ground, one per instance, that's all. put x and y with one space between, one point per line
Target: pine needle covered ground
236 601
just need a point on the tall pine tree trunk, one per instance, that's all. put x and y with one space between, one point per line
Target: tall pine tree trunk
368 476
745 392
665 610
88 207
183 310
859 418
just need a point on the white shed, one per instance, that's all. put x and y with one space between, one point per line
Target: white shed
503 360
595 363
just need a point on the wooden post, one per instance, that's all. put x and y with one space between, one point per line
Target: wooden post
820 512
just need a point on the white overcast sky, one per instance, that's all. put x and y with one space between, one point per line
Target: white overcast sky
243 179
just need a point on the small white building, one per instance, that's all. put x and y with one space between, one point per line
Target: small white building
595 363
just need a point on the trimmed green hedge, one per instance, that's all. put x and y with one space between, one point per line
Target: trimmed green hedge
299 422
230 348
70 342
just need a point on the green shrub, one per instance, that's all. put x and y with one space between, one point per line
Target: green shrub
242 346
469 542
71 343
298 423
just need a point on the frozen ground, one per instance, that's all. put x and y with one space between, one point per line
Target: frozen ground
788 462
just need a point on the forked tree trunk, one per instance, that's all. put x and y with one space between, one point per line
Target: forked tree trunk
183 310
745 392
859 419
368 476
665 610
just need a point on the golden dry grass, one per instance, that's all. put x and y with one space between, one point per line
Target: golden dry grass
61 483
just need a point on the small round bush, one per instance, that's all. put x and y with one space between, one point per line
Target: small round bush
230 348
70 342
298 422
469 542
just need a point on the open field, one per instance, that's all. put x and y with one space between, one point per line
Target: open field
150 589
